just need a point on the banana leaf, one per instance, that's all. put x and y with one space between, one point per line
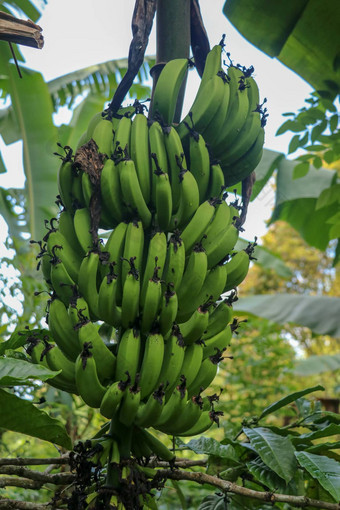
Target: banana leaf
302 34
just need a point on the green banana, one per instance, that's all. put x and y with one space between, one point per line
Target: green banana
128 354
149 411
218 249
157 249
195 229
188 201
151 363
62 329
192 281
108 309
56 360
188 417
168 312
88 385
203 423
78 311
194 327
199 163
88 336
236 114
175 261
87 188
219 318
173 406
140 153
216 181
246 164
65 178
88 278
82 228
217 343
59 246
36 350
130 404
112 398
204 377
175 152
167 88
130 299
157 147
205 106
237 269
133 247
132 192
152 302
212 287
163 199
157 447
192 360
66 228
78 199
103 136
111 195
62 282
172 361
122 136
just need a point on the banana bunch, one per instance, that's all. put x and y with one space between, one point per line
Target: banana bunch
142 251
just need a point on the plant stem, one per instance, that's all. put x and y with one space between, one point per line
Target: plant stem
172 38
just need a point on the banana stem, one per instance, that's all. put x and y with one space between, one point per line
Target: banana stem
172 39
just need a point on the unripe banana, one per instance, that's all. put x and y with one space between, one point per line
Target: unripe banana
108 308
157 147
151 410
128 354
62 329
198 224
140 153
212 287
88 384
82 228
156 256
216 181
133 247
66 176
156 446
163 199
62 282
88 279
132 192
66 228
122 135
192 281
172 361
103 136
194 327
173 406
60 247
112 399
151 364
168 311
152 302
218 319
199 163
217 343
189 416
130 299
204 377
78 311
129 405
191 362
111 195
188 201
175 153
175 261
105 360
237 269
167 88
218 249
56 360
203 423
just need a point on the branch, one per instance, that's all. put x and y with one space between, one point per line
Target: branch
180 463
38 476
33 461
23 483
225 486
13 504
20 31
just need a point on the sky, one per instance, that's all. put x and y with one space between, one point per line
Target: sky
85 32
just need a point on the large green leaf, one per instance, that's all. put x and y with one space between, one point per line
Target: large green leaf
302 34
288 400
275 451
209 446
33 109
14 372
266 259
317 364
319 313
22 416
265 475
296 203
325 470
